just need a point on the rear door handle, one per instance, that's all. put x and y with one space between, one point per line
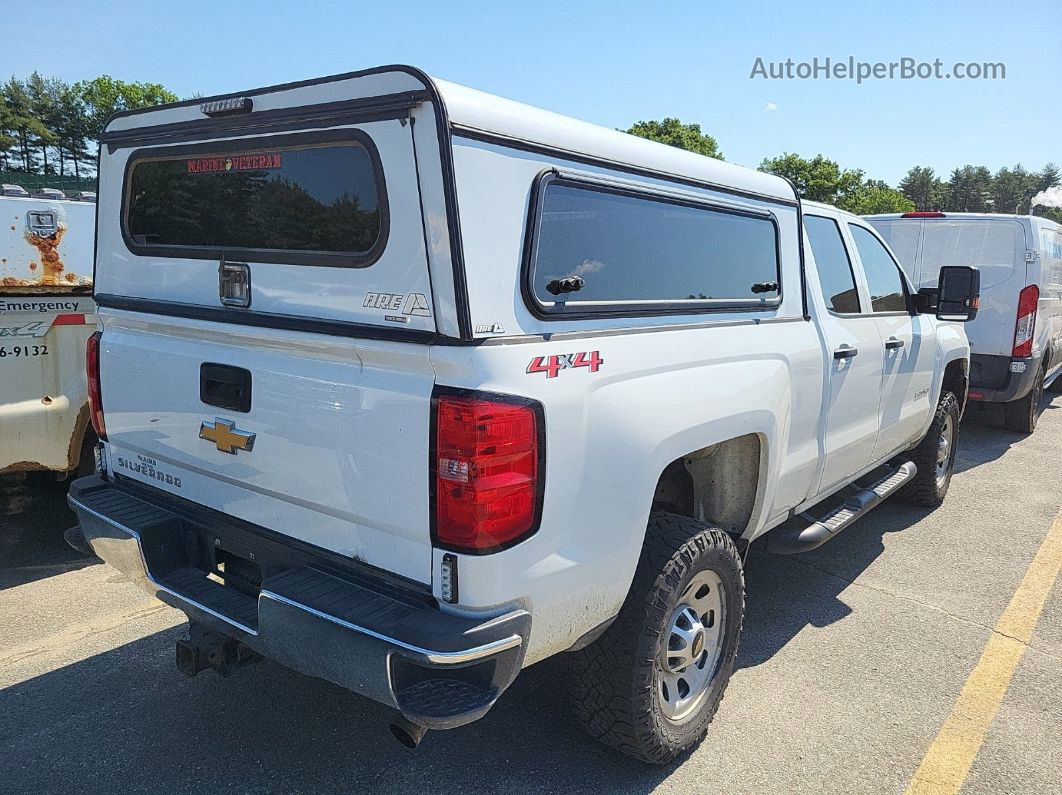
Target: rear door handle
892 343
845 352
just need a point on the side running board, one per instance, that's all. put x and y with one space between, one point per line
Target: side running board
806 531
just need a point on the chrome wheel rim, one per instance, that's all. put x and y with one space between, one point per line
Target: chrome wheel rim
945 445
691 647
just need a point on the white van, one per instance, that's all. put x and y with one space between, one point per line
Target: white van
46 317
1017 337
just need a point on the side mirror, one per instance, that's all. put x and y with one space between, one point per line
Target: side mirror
958 293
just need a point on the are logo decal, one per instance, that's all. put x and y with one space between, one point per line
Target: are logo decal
552 365
415 304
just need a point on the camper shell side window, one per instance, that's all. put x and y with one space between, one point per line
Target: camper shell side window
315 198
636 251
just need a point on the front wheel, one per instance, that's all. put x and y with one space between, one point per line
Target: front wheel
653 682
935 455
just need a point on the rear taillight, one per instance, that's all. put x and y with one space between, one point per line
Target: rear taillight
95 398
1028 300
924 215
486 471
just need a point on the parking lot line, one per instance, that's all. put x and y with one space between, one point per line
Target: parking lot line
948 761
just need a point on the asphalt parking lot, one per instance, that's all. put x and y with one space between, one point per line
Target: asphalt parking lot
854 657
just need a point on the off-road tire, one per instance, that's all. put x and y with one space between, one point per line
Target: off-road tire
614 685
1020 416
926 488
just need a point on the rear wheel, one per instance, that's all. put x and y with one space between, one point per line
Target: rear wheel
1056 385
652 683
935 455
1021 415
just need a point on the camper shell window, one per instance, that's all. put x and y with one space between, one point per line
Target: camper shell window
643 253
312 198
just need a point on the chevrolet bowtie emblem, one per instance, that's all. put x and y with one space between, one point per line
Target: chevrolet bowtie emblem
225 436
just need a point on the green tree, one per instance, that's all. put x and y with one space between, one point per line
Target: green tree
24 126
1013 190
106 96
876 196
72 127
8 132
923 188
1049 177
46 123
673 132
43 109
968 190
818 179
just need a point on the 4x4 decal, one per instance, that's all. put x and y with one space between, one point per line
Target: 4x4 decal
552 365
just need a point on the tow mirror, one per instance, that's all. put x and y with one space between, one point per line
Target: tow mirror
958 293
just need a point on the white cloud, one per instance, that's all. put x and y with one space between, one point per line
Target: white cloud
1052 197
770 106
588 266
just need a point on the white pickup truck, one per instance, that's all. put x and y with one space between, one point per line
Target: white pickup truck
409 387
46 316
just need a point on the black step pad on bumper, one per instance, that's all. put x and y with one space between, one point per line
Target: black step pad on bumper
439 669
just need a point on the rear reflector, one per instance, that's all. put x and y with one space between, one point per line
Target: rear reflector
95 398
1028 300
975 395
486 471
924 215
69 320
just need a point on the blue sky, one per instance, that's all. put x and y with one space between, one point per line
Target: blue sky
617 62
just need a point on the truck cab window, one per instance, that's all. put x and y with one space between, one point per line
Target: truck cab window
833 265
887 293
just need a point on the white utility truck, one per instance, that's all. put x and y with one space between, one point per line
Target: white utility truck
1017 338
409 387
46 317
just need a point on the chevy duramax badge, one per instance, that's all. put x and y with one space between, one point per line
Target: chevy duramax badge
527 388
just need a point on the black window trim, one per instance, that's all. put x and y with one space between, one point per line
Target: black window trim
908 300
647 308
254 255
851 269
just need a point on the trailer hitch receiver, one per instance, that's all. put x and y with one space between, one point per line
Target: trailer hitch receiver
204 648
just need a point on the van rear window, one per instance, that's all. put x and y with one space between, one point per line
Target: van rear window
649 252
314 199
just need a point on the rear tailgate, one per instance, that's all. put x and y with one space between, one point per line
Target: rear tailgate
339 451
300 401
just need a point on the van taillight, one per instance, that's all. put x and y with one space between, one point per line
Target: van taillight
486 471
95 397
1028 300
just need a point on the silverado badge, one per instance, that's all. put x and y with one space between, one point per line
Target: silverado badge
226 436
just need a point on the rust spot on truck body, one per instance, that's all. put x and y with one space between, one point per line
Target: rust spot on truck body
23 466
48 270
49 251
78 438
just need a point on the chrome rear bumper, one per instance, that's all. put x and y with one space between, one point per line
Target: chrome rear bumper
398 648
